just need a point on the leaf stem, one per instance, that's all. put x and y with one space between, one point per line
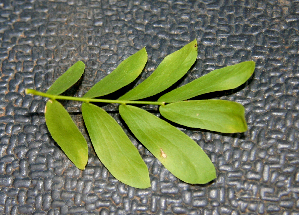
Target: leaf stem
59 97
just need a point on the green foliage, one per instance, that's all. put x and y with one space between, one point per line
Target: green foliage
170 70
114 148
175 150
215 115
225 78
69 78
66 134
124 74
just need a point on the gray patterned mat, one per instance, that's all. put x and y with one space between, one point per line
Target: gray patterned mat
257 173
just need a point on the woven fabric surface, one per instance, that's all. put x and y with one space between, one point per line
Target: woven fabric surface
257 172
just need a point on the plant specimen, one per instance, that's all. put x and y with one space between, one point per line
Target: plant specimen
182 156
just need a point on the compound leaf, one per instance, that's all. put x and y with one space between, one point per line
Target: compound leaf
225 78
177 152
215 115
170 70
66 134
125 73
114 148
67 79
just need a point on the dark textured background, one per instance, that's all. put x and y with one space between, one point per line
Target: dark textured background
257 172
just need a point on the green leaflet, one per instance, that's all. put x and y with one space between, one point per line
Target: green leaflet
127 71
215 115
66 134
67 79
225 78
176 151
170 70
114 148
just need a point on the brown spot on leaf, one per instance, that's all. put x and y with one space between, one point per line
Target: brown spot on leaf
163 155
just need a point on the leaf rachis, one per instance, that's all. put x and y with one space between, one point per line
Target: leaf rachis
177 152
